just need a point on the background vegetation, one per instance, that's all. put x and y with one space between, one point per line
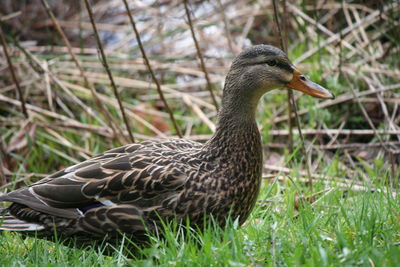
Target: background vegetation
333 203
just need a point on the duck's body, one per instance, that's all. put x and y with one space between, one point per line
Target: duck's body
168 179
132 188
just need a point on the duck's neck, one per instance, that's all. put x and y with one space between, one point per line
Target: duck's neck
232 135
236 152
237 136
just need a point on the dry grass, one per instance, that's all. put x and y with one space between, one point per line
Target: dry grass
352 48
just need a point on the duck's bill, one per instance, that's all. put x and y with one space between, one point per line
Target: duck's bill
301 83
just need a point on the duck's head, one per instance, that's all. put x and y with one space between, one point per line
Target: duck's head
262 68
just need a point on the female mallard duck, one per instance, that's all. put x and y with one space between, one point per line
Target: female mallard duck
131 188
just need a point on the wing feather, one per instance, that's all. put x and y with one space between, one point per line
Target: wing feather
142 175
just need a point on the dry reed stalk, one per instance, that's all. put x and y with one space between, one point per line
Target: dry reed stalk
199 54
112 101
99 78
47 86
285 170
84 153
110 76
122 81
230 42
38 110
290 98
24 179
3 179
334 139
62 49
22 84
13 75
10 16
366 21
199 113
77 128
88 26
291 102
358 145
38 67
338 131
361 38
388 149
327 31
384 107
349 146
283 42
113 125
155 80
362 53
140 65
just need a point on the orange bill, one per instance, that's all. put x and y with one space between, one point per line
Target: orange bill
301 83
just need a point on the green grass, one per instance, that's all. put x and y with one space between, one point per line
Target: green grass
343 228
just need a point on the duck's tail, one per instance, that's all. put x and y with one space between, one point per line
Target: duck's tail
10 223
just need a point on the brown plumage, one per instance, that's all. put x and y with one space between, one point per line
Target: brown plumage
128 189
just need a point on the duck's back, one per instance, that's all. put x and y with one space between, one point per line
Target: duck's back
123 189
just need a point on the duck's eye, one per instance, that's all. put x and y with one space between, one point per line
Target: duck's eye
271 62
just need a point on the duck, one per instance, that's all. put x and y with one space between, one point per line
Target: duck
132 189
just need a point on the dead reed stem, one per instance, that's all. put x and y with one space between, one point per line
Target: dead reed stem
13 75
110 76
356 40
226 28
199 54
390 150
153 76
291 101
39 68
114 126
350 146
3 179
284 44
289 92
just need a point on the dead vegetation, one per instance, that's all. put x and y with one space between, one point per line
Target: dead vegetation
165 78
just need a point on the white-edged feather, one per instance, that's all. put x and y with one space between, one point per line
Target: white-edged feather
9 223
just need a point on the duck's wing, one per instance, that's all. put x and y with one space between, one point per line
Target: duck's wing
140 174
